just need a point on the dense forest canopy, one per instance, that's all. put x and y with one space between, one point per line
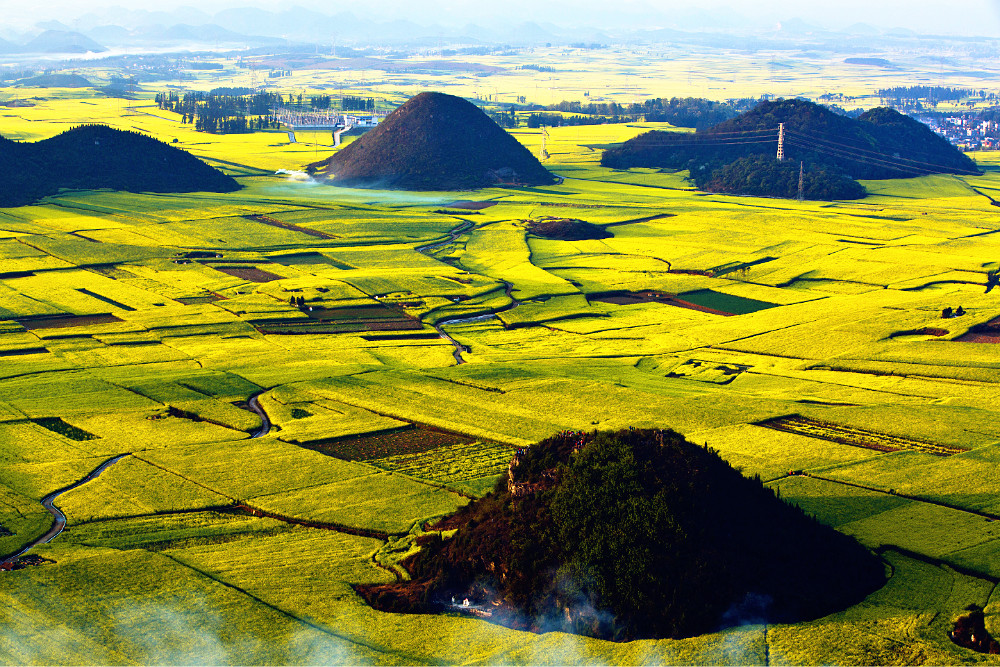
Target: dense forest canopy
631 534
881 143
97 156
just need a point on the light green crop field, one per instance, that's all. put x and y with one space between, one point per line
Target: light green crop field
207 545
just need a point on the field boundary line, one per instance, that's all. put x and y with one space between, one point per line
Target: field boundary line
905 496
305 621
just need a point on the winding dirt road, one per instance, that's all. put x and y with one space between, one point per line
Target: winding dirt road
265 421
459 348
439 327
58 518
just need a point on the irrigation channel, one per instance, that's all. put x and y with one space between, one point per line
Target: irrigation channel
59 519
439 326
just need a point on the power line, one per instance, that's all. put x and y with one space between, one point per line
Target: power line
836 152
877 154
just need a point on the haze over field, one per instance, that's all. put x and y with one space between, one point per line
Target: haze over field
970 17
672 326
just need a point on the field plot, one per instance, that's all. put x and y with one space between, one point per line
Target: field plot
855 437
802 340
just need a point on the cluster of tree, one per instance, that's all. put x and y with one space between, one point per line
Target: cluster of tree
506 119
223 110
594 108
97 156
764 176
319 101
693 112
350 103
120 86
537 68
683 112
901 94
555 120
880 143
635 534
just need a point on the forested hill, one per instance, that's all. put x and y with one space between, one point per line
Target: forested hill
881 143
633 534
434 142
97 156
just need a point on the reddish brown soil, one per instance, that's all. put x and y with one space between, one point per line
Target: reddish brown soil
252 273
655 297
274 222
395 325
411 440
983 333
63 321
471 205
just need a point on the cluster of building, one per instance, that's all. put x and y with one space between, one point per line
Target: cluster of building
966 131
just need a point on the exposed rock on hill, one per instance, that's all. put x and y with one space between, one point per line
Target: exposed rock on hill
434 142
632 534
97 156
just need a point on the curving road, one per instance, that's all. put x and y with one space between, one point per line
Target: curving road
265 422
459 348
58 518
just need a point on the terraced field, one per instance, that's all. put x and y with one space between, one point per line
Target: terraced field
143 324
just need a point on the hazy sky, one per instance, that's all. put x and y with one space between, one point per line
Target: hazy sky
978 17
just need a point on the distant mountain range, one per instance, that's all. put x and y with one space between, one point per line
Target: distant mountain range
254 27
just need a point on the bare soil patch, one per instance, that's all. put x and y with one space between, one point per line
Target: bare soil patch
630 298
64 321
408 440
274 222
988 332
251 273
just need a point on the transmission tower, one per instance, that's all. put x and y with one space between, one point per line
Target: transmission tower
781 142
542 153
801 176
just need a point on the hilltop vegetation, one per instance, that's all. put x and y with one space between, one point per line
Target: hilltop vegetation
635 533
434 142
879 144
91 157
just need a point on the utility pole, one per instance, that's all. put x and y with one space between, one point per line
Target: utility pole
781 142
801 174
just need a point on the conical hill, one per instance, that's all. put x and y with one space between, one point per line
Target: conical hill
434 142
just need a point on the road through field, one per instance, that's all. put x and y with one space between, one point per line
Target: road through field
265 422
59 519
439 327
459 348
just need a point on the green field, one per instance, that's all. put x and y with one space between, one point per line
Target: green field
209 545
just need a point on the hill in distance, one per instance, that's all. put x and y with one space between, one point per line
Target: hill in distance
97 156
433 142
879 144
55 81
62 41
632 534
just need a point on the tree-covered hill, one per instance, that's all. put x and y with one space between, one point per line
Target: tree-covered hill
879 144
434 142
97 156
631 534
